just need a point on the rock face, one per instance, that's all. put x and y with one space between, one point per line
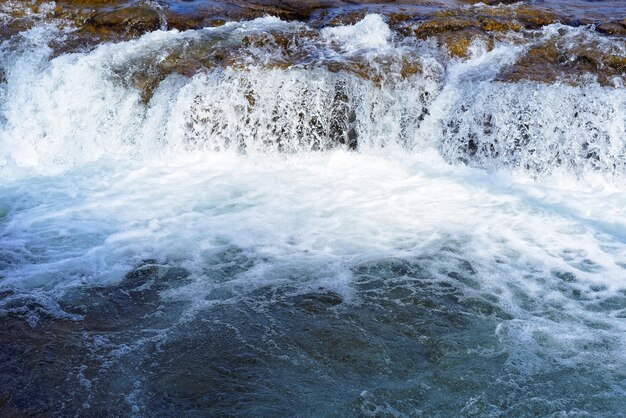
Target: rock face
453 26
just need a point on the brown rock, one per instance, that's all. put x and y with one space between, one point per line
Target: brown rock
615 27
457 28
552 62
533 18
184 22
126 22
409 68
441 25
458 44
92 4
490 2
493 25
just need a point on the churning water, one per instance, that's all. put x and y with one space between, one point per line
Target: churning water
259 239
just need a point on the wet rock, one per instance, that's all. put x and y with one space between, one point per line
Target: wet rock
357 67
458 43
515 18
493 25
39 352
491 2
14 27
154 276
62 367
122 306
25 13
184 22
567 62
124 22
410 67
270 50
488 19
146 72
539 64
442 25
534 18
317 301
615 27
90 4
456 29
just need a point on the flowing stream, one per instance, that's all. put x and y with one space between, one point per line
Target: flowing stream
419 238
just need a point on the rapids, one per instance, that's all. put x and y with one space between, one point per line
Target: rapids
304 221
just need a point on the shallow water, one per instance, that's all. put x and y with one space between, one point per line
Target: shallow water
587 9
579 9
262 239
332 284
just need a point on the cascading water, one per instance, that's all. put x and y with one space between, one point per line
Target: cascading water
269 218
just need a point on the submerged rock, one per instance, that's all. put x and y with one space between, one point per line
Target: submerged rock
317 301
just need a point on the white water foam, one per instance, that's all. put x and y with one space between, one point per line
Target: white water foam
370 33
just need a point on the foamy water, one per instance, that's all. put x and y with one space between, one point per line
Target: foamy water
207 252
